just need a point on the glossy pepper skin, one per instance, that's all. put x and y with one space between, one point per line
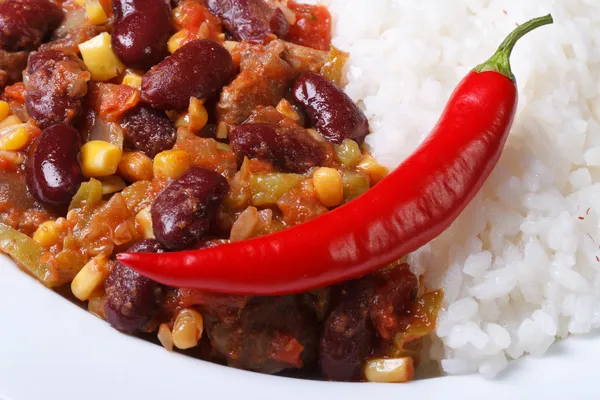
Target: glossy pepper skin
406 210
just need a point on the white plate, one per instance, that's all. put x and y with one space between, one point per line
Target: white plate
51 349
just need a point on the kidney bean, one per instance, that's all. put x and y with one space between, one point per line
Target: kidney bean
148 130
25 23
141 32
131 299
56 84
287 146
249 19
332 112
182 213
53 173
348 335
198 69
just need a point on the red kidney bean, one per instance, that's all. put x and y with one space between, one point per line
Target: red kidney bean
331 111
24 24
131 299
198 69
53 173
56 84
287 146
148 130
347 338
182 213
250 19
141 32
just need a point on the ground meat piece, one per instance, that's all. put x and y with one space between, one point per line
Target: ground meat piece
266 74
12 66
303 58
263 80
268 335
56 84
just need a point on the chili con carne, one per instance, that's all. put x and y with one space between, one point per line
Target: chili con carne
409 208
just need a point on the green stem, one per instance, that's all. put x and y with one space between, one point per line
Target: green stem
500 61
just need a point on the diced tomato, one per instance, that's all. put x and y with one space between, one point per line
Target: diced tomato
16 92
115 100
197 19
312 27
287 349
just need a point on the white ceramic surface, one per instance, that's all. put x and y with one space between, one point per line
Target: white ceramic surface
50 349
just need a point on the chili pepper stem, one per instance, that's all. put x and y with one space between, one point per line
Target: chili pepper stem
500 61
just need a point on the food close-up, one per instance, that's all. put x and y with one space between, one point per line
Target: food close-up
353 191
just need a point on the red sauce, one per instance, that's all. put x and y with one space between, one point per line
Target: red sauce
312 27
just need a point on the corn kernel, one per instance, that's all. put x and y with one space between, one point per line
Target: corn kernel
223 146
144 221
348 153
176 41
165 337
4 110
80 3
329 186
95 13
11 157
133 79
171 164
391 370
135 166
230 45
92 275
10 121
99 158
222 131
112 184
100 58
375 170
285 108
46 234
187 329
196 117
14 137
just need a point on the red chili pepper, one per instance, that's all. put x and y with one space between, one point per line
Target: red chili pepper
406 210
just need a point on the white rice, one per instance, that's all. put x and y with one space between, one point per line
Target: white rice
520 267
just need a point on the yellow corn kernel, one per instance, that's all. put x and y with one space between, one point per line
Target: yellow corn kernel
329 186
133 79
348 153
80 3
95 13
230 45
92 275
223 146
165 337
187 329
390 370
46 234
10 121
14 137
99 158
176 41
135 166
144 220
4 110
171 164
100 59
222 131
196 117
375 170
285 108
112 184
